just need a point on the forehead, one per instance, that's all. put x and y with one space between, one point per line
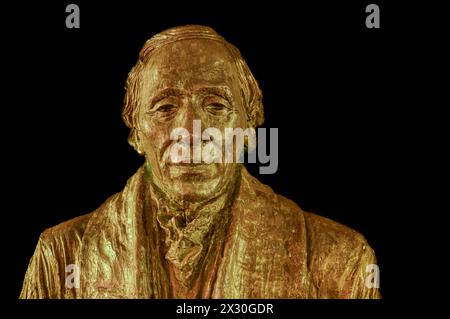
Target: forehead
189 63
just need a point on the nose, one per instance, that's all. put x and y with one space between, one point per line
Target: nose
191 118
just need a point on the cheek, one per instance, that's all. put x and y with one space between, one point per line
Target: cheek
153 135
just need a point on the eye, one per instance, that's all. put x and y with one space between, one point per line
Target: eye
217 107
165 112
166 108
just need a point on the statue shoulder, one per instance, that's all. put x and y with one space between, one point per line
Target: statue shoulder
317 228
57 248
74 229
341 257
322 232
70 230
324 229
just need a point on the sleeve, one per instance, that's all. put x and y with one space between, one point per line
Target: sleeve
366 279
42 276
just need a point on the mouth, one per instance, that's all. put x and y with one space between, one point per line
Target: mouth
192 171
193 168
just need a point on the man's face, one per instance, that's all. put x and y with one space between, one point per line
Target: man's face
194 79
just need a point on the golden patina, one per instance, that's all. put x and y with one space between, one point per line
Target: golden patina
197 230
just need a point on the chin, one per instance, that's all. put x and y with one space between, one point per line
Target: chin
198 183
196 191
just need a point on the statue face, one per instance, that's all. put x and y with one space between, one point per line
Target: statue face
192 79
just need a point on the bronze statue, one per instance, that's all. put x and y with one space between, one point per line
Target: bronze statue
196 230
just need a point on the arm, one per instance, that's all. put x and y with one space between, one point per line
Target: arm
42 276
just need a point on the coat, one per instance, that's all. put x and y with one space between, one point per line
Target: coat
272 249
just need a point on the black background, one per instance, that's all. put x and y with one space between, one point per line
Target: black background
327 82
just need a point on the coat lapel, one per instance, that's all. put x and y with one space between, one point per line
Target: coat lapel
114 254
267 241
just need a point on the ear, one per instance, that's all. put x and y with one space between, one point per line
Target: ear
134 141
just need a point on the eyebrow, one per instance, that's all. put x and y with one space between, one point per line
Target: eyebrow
165 93
222 91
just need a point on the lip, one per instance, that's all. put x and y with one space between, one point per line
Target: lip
192 171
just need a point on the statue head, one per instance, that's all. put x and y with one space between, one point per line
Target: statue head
184 74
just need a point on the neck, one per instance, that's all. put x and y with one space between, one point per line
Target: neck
189 208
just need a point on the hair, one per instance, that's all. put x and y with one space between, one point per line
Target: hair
251 94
